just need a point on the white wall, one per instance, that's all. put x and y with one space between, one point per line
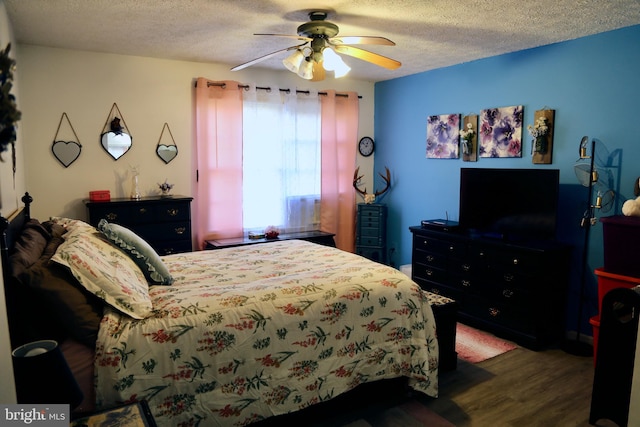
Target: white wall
8 204
148 92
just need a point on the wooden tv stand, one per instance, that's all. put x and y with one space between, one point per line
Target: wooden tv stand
516 290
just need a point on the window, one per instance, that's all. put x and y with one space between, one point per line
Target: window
281 160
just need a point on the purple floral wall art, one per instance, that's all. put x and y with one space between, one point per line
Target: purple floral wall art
500 133
443 136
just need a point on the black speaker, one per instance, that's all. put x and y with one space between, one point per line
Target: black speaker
615 356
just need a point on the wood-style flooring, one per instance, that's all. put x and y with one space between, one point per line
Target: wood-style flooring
518 388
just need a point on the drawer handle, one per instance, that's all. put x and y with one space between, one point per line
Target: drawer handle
429 272
508 277
515 261
430 258
111 216
180 230
451 248
143 210
466 267
494 312
466 283
507 293
173 212
425 242
168 251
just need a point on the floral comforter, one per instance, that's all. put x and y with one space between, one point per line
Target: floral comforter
255 331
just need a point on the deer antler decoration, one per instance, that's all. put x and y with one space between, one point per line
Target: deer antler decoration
370 198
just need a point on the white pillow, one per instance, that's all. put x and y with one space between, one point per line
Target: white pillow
105 271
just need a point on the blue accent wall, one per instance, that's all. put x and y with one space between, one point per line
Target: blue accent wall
592 83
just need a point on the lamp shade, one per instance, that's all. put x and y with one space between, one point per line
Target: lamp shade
306 69
293 61
43 376
333 62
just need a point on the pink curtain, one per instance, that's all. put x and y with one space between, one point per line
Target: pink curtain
339 134
218 160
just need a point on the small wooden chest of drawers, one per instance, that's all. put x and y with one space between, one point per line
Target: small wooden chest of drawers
164 222
371 231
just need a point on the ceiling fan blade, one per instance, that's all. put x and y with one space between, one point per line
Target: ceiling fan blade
362 40
291 36
319 72
365 55
265 57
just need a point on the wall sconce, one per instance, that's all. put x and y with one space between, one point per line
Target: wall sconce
43 376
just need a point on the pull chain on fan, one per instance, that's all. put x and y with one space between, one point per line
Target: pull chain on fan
319 52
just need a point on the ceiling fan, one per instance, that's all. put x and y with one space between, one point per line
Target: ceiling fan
317 53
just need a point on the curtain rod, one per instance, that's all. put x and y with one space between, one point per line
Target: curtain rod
268 89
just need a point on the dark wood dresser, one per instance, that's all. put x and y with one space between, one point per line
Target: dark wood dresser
164 222
514 289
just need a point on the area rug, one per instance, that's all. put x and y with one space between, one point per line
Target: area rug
475 346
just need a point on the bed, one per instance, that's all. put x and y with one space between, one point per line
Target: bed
220 337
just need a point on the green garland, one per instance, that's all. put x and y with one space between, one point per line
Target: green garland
9 113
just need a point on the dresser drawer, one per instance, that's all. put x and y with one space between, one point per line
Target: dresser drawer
430 273
169 247
431 245
370 241
433 259
370 211
164 231
370 232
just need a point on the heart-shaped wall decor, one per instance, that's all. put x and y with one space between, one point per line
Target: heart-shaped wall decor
66 151
167 152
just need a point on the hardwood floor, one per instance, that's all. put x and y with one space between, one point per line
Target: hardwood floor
518 388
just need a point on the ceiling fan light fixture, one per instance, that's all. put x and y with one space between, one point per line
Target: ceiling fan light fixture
306 69
333 62
293 61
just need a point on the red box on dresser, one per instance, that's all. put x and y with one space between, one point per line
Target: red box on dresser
100 196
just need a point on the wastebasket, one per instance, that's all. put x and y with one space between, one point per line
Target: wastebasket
43 376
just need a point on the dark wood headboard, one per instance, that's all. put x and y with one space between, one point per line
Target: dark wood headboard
10 229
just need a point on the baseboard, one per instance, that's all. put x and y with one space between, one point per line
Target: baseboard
572 335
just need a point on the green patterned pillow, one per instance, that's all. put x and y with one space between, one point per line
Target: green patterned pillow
139 251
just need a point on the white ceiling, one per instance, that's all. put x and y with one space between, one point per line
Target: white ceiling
428 34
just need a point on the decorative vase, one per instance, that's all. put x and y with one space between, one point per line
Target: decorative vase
541 145
135 189
466 146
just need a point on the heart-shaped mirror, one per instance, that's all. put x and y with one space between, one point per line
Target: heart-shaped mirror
115 137
66 151
167 152
116 144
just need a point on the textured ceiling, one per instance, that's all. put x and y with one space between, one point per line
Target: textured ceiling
428 33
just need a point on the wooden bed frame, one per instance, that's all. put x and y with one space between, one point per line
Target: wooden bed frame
10 229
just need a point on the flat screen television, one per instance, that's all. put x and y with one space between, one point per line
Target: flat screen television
510 204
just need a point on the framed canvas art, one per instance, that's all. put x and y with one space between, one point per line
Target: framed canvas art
500 133
443 136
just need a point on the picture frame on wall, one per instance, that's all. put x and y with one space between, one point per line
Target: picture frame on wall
443 136
469 138
541 132
500 132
